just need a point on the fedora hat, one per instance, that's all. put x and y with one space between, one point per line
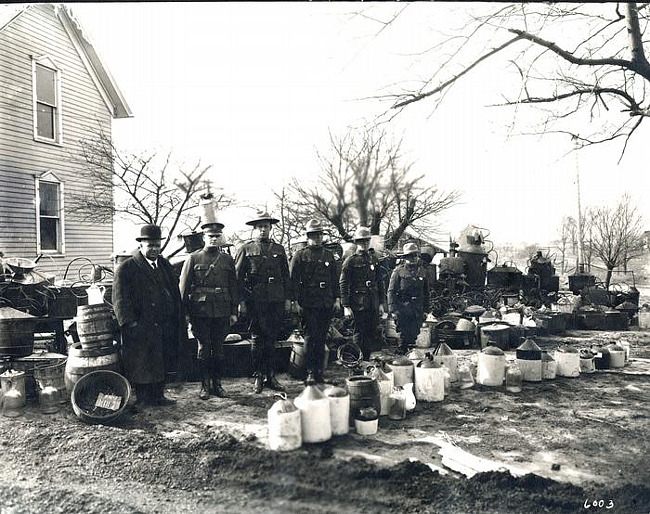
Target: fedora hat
262 216
313 226
361 233
410 248
149 232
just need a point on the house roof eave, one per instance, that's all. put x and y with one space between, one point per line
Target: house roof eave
102 77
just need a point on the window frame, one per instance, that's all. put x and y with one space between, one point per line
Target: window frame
50 178
46 62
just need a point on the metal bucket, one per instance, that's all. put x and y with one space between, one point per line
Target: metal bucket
52 376
39 359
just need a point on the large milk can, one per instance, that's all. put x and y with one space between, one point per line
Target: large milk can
616 355
402 369
429 381
339 409
285 432
314 414
491 366
529 360
568 362
446 356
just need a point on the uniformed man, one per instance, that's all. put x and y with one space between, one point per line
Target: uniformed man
426 256
265 296
316 287
209 291
408 295
362 292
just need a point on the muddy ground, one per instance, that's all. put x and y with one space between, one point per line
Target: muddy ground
558 446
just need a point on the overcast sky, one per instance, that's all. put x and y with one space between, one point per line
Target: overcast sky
254 88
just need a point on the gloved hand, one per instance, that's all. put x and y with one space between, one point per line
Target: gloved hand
347 312
242 309
233 319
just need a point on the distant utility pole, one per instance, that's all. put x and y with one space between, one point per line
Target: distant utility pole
581 264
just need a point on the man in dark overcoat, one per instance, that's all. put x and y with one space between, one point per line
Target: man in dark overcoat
264 296
147 304
315 282
408 296
362 293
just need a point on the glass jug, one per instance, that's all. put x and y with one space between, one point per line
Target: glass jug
513 378
397 404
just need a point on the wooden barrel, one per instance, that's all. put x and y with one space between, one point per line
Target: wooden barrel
364 392
95 326
81 362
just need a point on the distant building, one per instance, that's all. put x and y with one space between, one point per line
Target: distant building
54 91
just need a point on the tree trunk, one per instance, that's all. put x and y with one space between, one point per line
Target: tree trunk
608 278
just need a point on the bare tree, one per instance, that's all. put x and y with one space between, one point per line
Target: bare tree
567 237
364 181
575 62
616 234
147 187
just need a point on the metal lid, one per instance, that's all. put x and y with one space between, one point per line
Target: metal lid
567 349
310 393
335 392
529 346
492 350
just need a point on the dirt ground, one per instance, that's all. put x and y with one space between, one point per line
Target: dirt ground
558 446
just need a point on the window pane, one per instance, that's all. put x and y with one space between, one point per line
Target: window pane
49 237
45 85
49 193
45 121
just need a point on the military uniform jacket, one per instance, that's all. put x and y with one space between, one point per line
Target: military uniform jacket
263 272
314 277
408 289
209 284
360 283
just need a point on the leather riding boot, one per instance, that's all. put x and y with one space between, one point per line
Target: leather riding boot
204 393
259 383
216 388
318 376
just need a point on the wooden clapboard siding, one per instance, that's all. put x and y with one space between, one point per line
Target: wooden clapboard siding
38 31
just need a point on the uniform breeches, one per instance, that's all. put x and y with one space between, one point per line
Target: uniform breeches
409 324
210 334
366 335
316 324
266 323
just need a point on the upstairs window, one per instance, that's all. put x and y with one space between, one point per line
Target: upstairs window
47 102
49 201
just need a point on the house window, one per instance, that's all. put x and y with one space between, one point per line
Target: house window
49 201
47 111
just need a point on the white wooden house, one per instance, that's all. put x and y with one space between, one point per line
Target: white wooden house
54 91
